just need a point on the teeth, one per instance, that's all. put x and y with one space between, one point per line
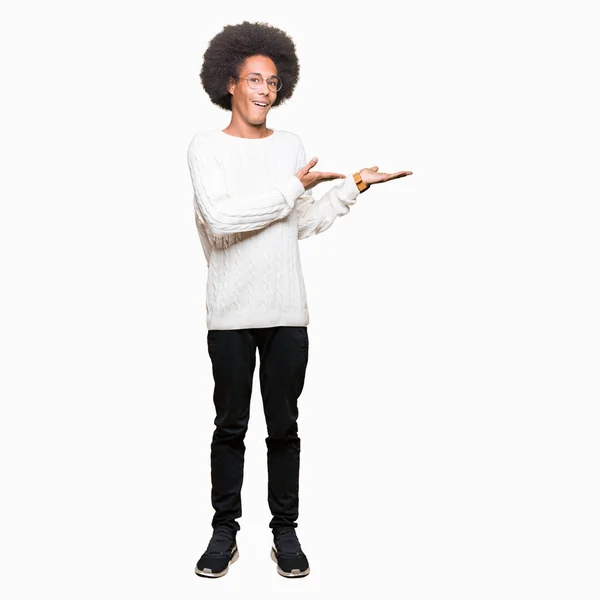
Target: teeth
259 104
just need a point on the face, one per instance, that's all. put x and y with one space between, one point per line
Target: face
244 98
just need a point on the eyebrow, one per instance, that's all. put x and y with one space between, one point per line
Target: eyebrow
259 73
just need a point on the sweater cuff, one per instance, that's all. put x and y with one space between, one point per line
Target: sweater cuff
291 189
349 191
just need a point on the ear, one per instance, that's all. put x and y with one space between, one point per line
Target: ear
230 85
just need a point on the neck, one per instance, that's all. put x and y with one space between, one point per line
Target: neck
244 129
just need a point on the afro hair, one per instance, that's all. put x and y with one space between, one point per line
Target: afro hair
228 50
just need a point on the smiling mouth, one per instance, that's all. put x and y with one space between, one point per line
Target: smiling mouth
260 104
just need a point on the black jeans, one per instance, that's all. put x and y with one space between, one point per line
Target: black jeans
283 355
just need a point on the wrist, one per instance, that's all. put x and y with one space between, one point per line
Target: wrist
360 184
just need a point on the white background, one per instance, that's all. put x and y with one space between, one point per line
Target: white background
449 419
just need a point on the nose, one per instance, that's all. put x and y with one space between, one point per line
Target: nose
264 89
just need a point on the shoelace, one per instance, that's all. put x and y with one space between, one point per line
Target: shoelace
287 542
220 543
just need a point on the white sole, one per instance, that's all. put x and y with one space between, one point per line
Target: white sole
209 573
294 573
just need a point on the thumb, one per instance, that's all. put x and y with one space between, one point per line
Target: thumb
310 164
374 168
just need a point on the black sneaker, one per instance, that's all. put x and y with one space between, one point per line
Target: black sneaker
287 553
221 552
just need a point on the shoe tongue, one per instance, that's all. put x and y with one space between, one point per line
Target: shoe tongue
220 542
287 542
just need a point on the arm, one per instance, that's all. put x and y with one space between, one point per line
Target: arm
314 217
224 214
317 216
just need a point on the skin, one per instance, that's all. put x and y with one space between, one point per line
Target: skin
250 121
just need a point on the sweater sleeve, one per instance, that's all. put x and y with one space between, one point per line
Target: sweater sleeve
225 214
315 216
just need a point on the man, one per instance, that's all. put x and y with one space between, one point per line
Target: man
252 204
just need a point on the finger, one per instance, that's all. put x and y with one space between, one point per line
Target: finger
310 164
400 174
375 168
329 176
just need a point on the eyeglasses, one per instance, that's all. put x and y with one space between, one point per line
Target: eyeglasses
255 81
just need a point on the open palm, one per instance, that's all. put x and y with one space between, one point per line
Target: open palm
310 179
372 175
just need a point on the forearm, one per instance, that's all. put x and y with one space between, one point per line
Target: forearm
225 213
316 216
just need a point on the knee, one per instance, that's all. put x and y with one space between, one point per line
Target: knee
229 434
282 432
230 426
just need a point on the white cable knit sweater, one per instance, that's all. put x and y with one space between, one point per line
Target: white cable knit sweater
251 210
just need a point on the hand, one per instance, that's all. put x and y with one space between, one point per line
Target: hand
372 175
310 178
